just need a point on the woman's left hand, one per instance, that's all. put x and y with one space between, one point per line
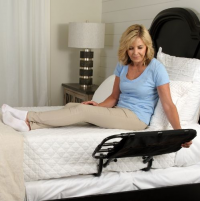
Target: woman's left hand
187 144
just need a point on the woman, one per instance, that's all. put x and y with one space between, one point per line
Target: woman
140 80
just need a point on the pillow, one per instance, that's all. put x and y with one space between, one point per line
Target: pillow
179 68
178 89
186 71
104 90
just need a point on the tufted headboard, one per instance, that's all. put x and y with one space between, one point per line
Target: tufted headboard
177 31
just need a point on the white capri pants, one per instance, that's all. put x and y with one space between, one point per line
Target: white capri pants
72 113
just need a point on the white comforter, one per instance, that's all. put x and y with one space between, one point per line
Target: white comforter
67 151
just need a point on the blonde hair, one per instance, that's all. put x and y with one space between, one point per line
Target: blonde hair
127 40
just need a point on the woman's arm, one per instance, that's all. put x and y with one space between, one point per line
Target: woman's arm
112 100
170 109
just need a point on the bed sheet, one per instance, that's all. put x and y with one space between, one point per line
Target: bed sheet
110 182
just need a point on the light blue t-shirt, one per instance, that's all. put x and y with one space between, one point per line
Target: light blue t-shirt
140 95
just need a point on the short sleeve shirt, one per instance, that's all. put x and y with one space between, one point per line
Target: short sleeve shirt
140 95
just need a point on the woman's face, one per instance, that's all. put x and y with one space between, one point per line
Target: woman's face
137 51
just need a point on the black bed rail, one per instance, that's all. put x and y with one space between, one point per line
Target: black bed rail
145 144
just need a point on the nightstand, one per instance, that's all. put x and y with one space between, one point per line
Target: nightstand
73 92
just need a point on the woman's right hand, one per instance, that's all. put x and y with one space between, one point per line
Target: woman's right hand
187 144
90 103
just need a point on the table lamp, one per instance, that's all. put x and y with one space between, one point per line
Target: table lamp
86 36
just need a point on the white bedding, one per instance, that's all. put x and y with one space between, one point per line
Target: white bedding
110 182
67 151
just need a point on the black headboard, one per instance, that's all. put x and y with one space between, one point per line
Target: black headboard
177 31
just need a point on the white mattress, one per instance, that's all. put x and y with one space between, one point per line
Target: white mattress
110 182
67 151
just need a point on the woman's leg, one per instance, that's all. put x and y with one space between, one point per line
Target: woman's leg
118 118
17 119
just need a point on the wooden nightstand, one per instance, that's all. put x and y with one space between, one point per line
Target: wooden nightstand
73 92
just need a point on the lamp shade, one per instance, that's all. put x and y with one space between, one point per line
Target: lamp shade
86 35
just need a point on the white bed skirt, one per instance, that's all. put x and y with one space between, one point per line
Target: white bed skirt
110 182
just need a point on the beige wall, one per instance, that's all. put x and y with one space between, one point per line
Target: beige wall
118 15
64 61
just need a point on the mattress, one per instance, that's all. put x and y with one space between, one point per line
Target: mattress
67 151
110 182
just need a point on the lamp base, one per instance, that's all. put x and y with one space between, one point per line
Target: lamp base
86 68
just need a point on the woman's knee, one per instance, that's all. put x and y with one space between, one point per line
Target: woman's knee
77 107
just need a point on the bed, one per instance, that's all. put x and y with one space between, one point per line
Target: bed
62 179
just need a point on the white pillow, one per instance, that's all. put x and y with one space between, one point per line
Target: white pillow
104 90
187 70
179 90
179 68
